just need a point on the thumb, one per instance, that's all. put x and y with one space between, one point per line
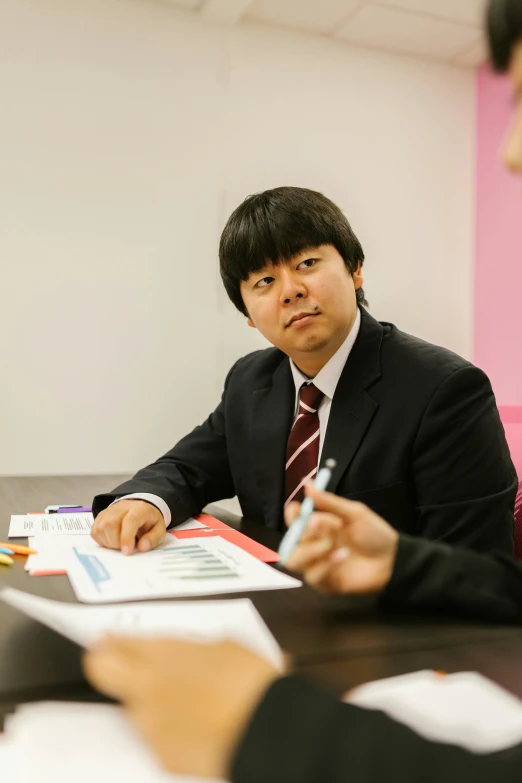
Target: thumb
291 512
153 537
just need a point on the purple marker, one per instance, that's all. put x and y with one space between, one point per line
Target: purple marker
73 509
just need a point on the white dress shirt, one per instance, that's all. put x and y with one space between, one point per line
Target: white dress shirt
326 381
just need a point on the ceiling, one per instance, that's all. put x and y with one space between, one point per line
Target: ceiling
443 30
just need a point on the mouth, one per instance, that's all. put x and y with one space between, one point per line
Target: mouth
301 319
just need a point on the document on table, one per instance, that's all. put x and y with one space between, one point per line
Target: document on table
463 709
54 550
202 621
176 569
59 742
23 525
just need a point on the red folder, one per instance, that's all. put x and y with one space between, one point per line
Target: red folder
217 528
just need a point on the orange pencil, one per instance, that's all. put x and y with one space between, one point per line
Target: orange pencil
18 549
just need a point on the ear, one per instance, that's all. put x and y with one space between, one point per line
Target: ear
251 323
357 276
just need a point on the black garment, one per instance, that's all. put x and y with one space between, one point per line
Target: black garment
301 735
429 576
414 429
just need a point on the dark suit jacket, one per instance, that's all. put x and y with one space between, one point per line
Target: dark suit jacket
414 429
299 734
433 577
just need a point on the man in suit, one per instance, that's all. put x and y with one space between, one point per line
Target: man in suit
414 428
283 729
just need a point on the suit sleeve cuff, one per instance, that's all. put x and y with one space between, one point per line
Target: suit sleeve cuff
149 497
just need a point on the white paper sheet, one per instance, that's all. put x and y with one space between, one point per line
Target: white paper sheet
23 525
54 551
203 621
59 742
463 709
176 569
192 524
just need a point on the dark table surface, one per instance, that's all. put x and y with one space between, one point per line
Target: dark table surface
337 642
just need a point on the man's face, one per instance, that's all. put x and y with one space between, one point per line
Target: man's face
513 147
305 307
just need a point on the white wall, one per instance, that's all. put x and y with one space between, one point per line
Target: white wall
127 136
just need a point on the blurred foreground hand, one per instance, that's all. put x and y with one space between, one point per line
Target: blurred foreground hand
192 702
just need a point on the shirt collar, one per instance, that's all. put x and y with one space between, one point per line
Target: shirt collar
327 379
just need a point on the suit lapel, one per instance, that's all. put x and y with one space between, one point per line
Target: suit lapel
271 419
353 408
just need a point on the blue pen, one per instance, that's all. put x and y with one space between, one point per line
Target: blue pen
296 530
5 551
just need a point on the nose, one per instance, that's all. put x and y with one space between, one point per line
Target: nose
292 286
512 152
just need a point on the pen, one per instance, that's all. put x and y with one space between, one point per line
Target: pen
6 551
297 528
18 549
6 560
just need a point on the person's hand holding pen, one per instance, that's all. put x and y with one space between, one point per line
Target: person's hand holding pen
345 549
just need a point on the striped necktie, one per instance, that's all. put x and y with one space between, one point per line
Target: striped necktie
302 451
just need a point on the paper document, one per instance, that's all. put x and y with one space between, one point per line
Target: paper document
23 525
54 552
60 742
463 709
193 524
204 621
176 569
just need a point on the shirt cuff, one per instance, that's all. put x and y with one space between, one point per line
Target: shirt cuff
149 497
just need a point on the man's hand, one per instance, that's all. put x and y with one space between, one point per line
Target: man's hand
192 702
345 549
127 524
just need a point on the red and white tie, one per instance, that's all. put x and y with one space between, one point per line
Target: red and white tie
302 451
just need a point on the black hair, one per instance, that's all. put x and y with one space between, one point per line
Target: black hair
504 30
276 225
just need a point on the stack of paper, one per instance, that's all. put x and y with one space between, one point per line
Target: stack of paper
64 742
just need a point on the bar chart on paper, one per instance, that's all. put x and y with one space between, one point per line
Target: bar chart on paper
176 569
193 561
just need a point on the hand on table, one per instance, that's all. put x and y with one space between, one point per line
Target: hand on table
190 701
345 549
127 524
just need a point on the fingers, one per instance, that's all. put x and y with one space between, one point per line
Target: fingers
152 538
348 510
125 522
305 554
130 525
322 525
106 527
113 665
291 512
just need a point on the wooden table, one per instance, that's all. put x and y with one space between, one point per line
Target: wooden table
339 643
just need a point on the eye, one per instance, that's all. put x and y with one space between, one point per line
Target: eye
308 263
263 282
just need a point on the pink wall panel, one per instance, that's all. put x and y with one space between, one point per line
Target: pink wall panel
498 272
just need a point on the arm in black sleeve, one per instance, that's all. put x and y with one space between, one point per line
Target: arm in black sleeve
301 735
465 481
189 476
429 576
